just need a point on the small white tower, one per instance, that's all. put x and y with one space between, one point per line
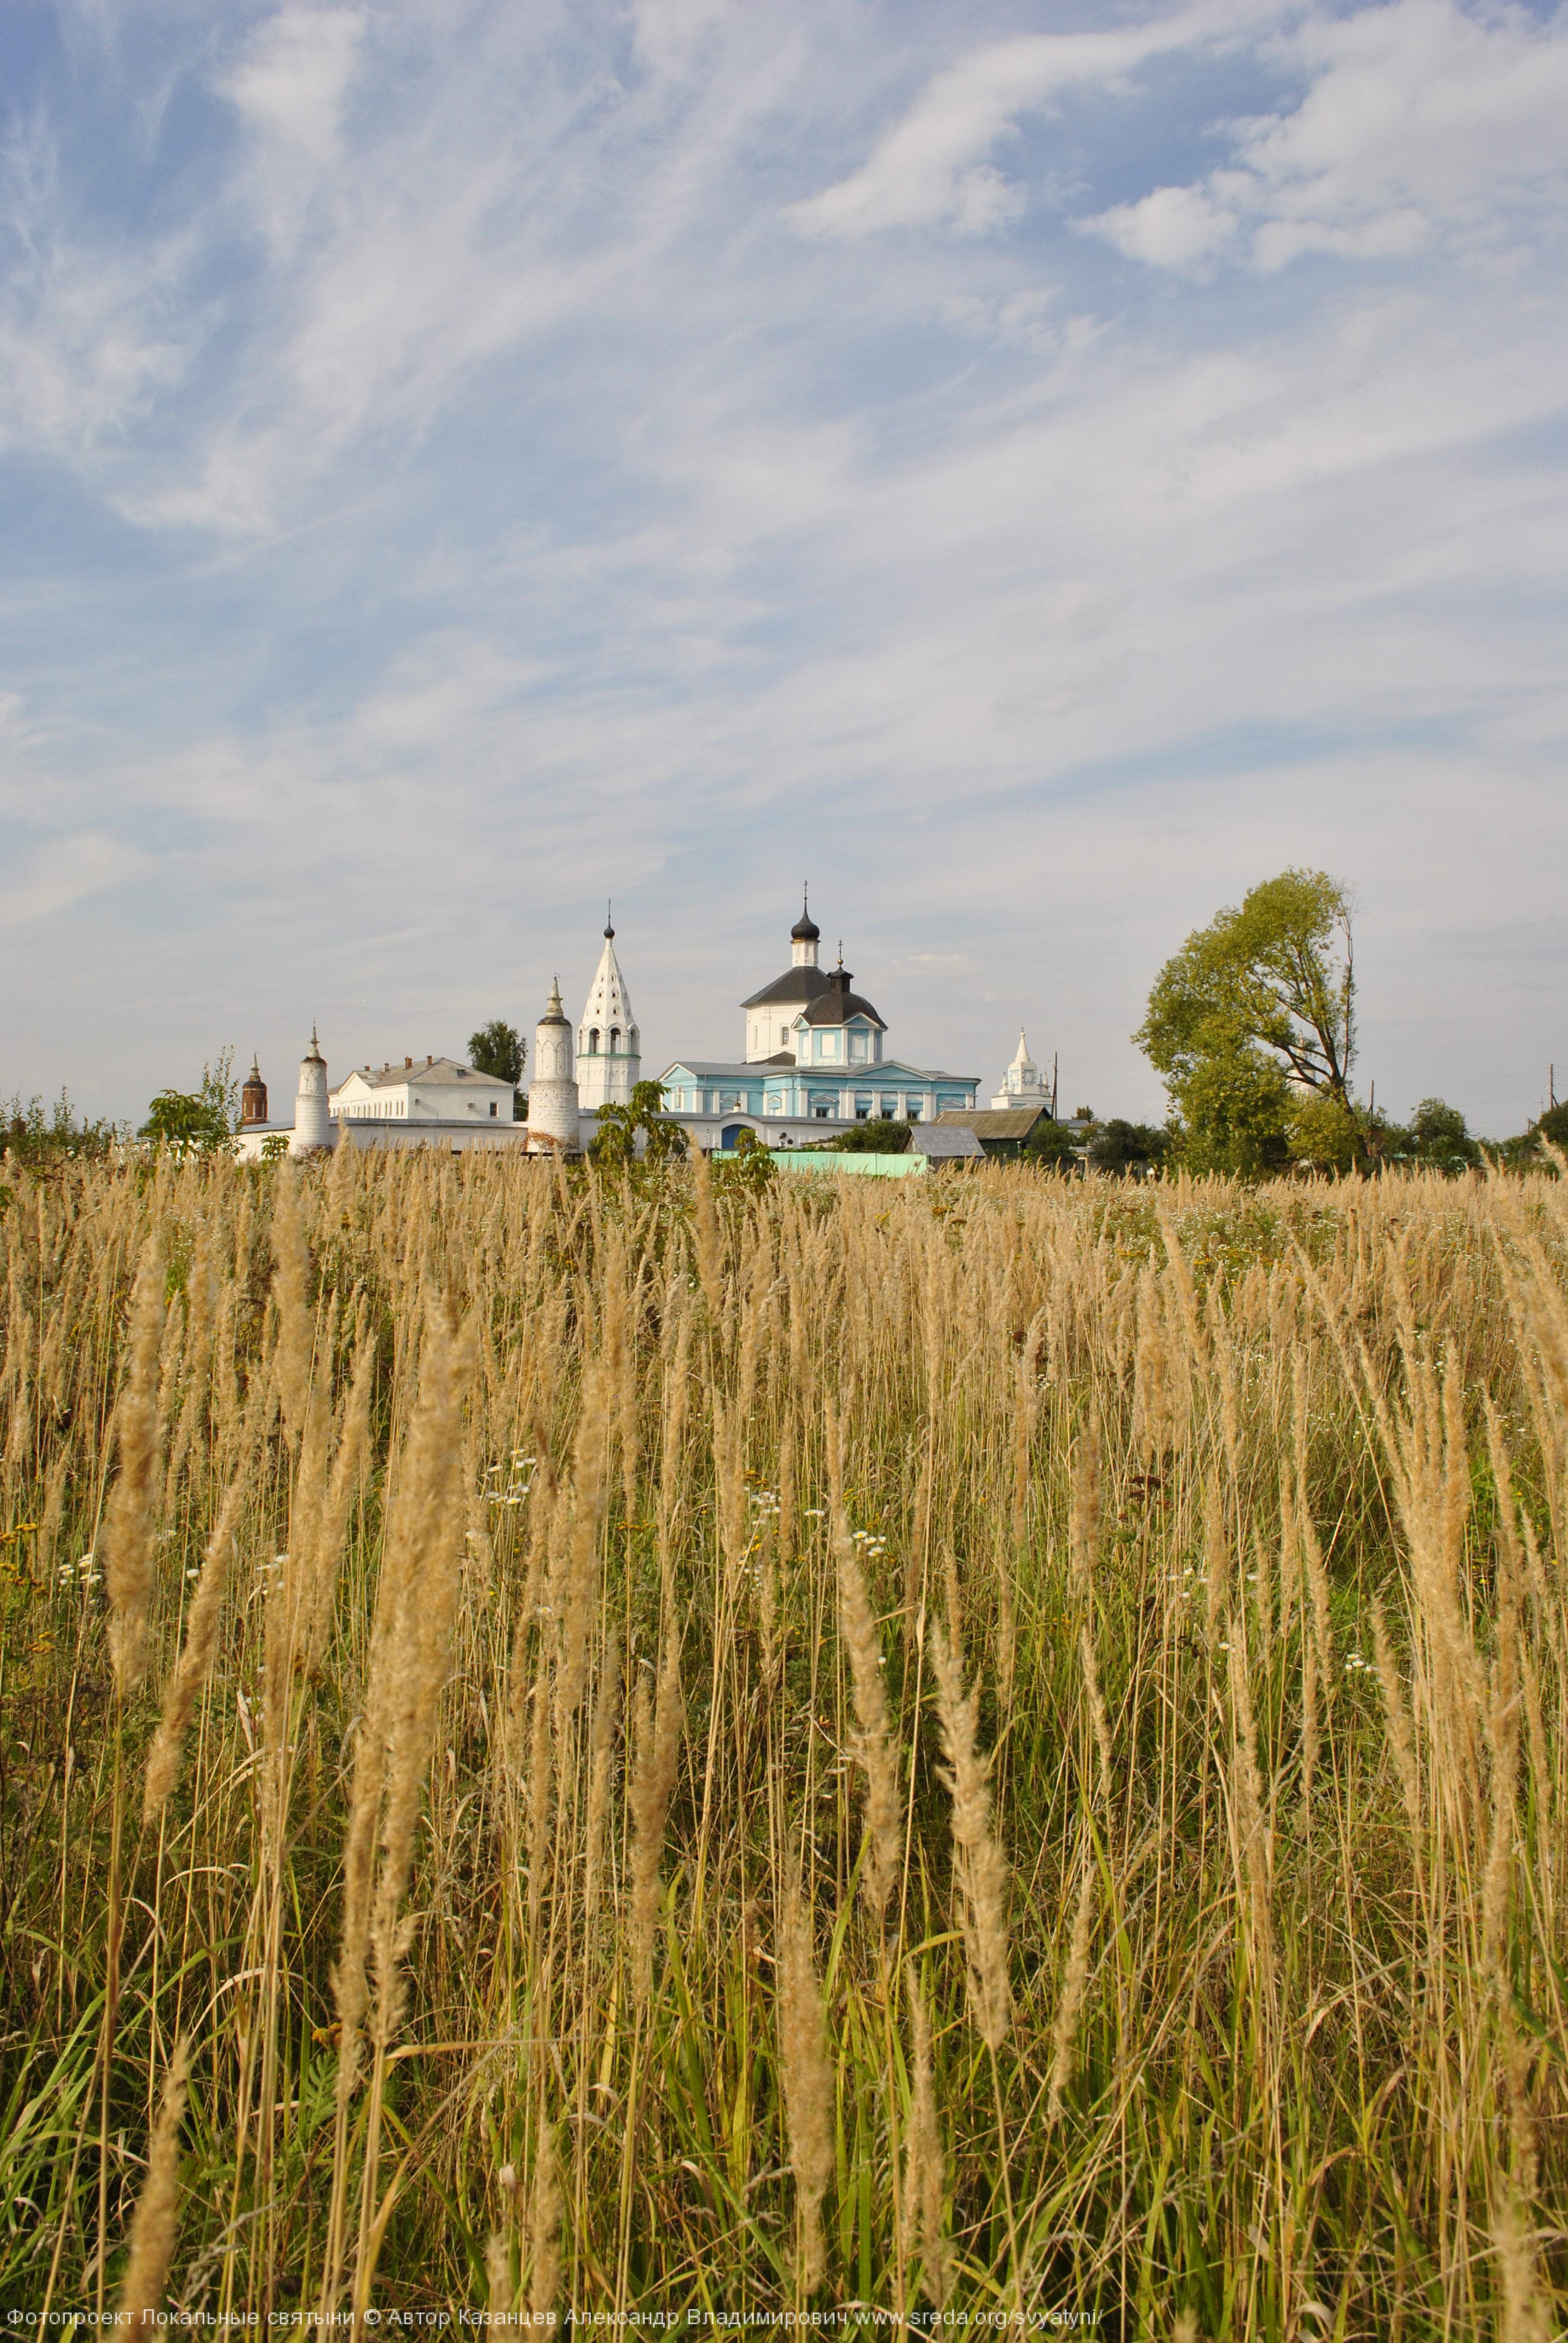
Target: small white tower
1022 1084
608 1053
553 1090
312 1120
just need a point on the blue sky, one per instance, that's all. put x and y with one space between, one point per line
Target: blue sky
1033 469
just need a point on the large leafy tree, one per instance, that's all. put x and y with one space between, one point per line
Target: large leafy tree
1254 1016
499 1050
1440 1136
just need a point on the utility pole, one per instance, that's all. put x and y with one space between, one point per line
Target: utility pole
1055 1057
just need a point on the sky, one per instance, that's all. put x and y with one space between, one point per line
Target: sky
1032 469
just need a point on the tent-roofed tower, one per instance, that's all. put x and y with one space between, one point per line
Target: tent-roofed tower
610 1052
1023 1085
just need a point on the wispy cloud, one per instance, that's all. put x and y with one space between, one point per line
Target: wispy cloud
934 166
60 873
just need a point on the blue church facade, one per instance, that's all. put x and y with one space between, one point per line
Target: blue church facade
815 1063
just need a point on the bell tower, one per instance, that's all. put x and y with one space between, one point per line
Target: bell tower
253 1099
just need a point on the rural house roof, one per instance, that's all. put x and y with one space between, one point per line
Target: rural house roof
995 1122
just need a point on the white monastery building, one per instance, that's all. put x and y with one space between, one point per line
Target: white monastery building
815 1062
434 1089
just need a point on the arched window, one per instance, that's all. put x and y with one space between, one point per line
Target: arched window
614 1038
593 1041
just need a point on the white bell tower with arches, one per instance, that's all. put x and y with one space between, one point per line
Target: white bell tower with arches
610 1059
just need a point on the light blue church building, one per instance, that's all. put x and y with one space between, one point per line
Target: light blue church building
815 1061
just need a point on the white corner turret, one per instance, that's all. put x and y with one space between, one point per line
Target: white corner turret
312 1115
553 1092
609 1056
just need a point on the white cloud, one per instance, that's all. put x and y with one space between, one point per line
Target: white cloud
91 330
933 168
294 75
63 872
1418 118
1175 227
671 33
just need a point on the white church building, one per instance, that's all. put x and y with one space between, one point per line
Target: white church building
816 1062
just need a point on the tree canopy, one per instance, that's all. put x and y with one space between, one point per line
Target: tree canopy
499 1050
197 1122
880 1137
1121 1146
613 1146
1438 1135
1255 1016
1052 1143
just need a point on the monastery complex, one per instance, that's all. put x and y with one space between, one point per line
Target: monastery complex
815 1061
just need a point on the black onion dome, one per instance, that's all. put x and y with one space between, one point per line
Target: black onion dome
805 929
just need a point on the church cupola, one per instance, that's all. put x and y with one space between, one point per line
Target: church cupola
253 1099
771 1013
804 938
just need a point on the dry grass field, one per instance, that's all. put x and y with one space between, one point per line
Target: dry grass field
992 1745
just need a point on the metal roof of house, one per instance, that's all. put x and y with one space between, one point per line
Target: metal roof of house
428 1071
995 1122
944 1146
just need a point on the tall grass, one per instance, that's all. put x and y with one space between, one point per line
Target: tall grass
998 1744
